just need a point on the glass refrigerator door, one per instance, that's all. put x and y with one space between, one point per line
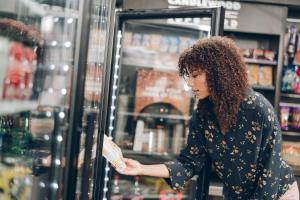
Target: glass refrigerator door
38 48
150 104
93 99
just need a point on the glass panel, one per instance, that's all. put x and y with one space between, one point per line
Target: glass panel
100 18
37 40
153 104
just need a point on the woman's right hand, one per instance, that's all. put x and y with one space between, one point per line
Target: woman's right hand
133 167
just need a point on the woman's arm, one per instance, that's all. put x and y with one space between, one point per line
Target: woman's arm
134 167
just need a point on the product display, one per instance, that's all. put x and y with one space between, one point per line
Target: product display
18 80
291 79
291 153
260 75
259 54
290 118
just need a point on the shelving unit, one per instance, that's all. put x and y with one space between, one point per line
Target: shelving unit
296 96
263 41
261 62
260 87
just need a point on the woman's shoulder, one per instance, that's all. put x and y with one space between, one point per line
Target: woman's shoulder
256 101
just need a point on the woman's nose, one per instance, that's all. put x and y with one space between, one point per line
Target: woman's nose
189 83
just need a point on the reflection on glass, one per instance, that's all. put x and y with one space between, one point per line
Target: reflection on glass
37 41
92 94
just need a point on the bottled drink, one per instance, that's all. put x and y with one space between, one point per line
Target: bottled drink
291 49
14 74
136 191
116 193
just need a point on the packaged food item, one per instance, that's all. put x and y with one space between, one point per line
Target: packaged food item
174 44
288 79
253 72
183 43
284 118
297 58
265 76
155 42
296 85
165 44
246 53
127 39
146 41
4 53
258 53
269 55
137 39
113 154
296 118
291 153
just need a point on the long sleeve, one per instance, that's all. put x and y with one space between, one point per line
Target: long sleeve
270 163
190 160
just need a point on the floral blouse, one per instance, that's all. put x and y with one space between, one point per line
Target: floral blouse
247 158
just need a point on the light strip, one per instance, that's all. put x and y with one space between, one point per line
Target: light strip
113 107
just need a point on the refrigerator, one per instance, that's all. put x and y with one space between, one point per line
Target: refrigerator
52 70
147 104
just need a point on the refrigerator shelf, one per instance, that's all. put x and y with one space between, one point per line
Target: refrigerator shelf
151 66
179 117
11 107
148 158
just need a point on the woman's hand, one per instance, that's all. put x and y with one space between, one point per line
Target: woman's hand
133 167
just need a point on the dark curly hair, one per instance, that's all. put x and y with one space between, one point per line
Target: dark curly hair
226 75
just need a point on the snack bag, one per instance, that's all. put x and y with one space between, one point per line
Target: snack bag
113 154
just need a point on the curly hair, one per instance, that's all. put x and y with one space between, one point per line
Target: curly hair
226 75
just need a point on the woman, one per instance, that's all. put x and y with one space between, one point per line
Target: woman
232 125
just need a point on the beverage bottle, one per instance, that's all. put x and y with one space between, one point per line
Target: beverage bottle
137 191
14 75
291 48
29 66
115 192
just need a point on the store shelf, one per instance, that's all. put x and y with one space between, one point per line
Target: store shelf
296 96
262 87
291 135
289 104
260 62
11 107
179 117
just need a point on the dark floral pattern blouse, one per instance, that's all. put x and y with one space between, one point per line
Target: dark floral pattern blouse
247 158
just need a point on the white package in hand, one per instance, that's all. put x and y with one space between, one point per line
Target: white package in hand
113 154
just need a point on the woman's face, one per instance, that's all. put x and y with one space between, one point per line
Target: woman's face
196 80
